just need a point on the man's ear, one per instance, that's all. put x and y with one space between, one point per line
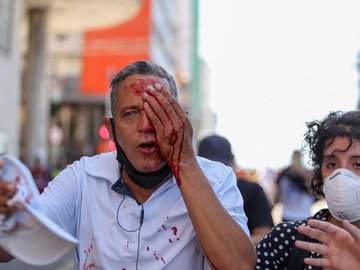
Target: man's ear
109 127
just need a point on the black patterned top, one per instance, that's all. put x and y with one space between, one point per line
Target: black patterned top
275 248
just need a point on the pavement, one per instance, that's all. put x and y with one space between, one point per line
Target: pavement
64 263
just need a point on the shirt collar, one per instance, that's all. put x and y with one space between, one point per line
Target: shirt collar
103 166
120 187
107 167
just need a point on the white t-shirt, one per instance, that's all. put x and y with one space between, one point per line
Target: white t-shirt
296 202
107 224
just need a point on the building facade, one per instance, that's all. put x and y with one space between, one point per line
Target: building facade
87 43
11 12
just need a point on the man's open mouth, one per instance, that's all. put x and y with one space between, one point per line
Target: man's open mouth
148 146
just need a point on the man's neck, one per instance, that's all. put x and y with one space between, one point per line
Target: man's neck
140 194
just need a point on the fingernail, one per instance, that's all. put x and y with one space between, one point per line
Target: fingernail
150 88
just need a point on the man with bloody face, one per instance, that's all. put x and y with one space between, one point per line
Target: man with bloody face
151 204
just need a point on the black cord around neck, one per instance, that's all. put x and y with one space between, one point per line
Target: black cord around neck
138 246
141 217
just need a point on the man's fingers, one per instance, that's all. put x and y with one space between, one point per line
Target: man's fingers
7 210
314 233
7 189
3 200
321 262
176 106
154 118
164 106
180 118
315 247
160 105
353 230
4 209
323 226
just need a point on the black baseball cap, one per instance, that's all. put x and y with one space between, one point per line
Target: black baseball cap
216 148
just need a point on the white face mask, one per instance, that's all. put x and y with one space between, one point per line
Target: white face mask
342 193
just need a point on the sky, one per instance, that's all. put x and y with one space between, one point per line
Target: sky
275 65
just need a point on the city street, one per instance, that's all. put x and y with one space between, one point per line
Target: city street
64 263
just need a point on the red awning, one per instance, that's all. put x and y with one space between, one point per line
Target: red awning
107 51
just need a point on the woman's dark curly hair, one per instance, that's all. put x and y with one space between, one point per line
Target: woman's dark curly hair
322 133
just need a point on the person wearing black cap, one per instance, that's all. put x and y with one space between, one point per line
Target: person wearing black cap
256 204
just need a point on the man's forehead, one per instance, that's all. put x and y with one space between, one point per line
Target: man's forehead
149 79
137 84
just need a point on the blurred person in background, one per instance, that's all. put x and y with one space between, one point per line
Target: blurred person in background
334 145
293 191
151 204
256 204
40 173
59 165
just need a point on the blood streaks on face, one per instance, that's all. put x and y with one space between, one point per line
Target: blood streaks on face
139 87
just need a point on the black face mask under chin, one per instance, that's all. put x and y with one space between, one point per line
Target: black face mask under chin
144 180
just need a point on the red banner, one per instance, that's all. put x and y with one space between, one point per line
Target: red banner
107 51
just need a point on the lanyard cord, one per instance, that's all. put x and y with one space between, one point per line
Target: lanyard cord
138 249
138 229
141 217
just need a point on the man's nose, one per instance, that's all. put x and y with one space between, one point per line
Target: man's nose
145 124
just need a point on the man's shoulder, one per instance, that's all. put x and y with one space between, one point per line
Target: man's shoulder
216 172
96 160
103 165
208 165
